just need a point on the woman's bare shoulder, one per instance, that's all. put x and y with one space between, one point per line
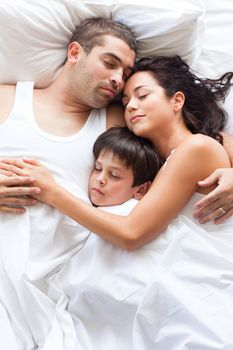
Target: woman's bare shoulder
202 149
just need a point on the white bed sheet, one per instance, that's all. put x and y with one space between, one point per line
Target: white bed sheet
216 55
48 319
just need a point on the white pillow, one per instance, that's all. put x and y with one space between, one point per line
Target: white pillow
35 34
217 46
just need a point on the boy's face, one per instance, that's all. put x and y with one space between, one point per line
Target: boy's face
110 182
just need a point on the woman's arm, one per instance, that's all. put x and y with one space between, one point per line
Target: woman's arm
169 193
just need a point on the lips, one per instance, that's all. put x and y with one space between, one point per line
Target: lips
109 92
96 190
134 118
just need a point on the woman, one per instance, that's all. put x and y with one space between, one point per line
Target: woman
179 112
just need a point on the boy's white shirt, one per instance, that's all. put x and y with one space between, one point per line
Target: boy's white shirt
121 209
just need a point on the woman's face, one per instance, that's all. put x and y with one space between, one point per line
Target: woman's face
147 108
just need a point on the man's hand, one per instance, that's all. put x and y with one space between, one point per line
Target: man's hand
218 204
33 169
15 192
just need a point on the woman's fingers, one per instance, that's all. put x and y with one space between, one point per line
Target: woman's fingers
32 161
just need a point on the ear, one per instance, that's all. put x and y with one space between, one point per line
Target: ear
74 50
178 101
141 190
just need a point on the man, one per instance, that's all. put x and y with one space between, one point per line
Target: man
60 123
100 57
57 125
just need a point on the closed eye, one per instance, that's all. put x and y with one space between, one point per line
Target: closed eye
142 96
115 176
109 64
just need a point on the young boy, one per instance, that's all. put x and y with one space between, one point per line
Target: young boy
93 285
125 165
102 284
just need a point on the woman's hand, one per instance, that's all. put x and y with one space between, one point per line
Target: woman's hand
218 204
33 169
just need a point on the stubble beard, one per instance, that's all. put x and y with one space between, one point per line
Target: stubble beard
99 100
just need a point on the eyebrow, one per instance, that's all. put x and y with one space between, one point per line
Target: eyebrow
121 168
136 89
118 59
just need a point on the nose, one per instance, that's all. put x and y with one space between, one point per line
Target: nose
117 81
131 105
101 179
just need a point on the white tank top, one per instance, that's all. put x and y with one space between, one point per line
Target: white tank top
69 158
39 241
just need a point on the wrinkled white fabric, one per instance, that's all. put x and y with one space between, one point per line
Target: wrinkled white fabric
174 293
66 289
36 244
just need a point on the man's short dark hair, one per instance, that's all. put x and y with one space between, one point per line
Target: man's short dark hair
136 152
89 33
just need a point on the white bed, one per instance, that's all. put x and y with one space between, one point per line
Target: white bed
33 41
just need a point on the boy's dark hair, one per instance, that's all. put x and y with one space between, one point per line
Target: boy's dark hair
89 33
136 152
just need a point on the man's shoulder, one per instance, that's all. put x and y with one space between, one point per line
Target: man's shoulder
5 89
7 94
115 115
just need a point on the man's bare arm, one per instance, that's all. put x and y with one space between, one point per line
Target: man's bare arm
218 204
7 95
15 192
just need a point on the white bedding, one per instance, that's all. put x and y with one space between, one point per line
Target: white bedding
174 293
174 298
169 294
217 46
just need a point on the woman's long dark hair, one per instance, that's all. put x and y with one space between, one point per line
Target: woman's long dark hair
201 111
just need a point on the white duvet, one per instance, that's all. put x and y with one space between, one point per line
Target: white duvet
174 293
